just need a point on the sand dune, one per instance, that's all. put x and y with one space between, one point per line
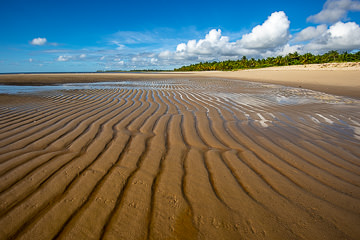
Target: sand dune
180 159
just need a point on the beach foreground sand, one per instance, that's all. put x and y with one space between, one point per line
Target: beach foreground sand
178 157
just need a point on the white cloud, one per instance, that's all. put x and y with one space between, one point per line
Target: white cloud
153 60
63 58
310 33
120 46
30 60
73 57
38 41
268 38
213 44
334 10
166 54
118 61
340 36
272 38
272 33
282 51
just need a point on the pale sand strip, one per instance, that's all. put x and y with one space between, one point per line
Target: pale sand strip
191 158
334 78
333 81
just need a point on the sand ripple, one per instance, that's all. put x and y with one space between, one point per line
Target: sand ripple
180 159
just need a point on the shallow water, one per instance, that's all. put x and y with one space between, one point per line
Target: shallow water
19 89
240 91
178 159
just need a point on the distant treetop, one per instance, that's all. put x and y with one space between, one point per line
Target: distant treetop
290 59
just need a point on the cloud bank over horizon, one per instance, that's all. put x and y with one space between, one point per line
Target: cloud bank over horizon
158 49
269 38
272 38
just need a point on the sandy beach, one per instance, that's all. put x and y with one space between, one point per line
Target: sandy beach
200 155
334 78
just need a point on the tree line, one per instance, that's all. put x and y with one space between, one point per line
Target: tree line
290 59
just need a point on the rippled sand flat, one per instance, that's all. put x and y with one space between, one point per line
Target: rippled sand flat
180 159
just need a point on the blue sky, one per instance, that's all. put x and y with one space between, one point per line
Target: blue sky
61 36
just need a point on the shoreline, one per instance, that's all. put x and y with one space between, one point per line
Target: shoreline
188 158
334 78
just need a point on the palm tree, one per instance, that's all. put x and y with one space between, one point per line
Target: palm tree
279 61
332 56
306 58
289 59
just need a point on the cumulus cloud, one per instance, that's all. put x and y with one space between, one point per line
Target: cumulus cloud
310 33
38 41
340 36
282 51
271 38
63 58
213 44
272 33
334 10
268 38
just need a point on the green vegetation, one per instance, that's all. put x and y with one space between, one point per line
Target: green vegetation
290 59
135 71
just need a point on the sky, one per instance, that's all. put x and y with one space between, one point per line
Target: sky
87 35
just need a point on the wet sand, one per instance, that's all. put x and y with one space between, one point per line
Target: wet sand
177 157
334 78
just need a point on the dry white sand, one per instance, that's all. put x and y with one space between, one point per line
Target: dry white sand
178 157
